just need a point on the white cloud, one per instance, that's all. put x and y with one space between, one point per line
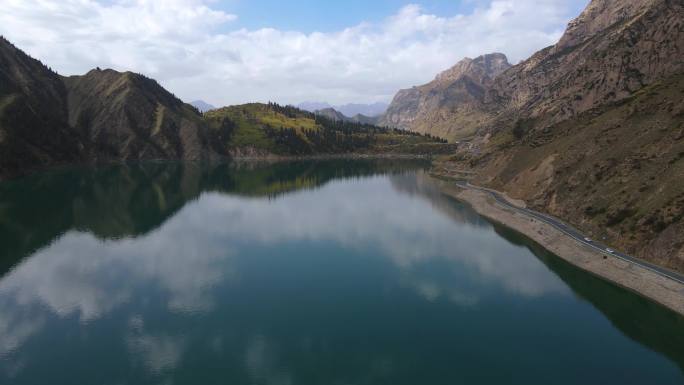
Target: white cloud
182 44
81 277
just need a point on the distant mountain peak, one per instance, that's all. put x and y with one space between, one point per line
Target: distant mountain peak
349 109
202 106
451 106
332 114
490 65
313 106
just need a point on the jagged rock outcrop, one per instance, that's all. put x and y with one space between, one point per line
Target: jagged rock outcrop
451 106
607 53
611 50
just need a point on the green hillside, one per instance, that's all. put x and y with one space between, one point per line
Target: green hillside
286 130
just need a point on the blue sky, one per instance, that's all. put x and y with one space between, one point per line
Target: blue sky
327 16
237 51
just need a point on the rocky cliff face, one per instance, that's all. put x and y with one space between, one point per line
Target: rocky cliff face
611 50
451 106
590 129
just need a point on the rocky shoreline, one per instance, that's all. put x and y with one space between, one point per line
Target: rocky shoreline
640 280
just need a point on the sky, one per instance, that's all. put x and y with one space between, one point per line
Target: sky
238 51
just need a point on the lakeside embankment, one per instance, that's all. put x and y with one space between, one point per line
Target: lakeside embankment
646 282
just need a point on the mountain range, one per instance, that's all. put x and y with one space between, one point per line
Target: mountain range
590 129
105 115
349 110
333 114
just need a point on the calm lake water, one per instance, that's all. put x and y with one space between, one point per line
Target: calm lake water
335 272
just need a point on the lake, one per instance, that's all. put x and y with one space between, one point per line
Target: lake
318 272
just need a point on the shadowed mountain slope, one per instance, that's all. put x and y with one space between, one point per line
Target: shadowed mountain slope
128 116
34 130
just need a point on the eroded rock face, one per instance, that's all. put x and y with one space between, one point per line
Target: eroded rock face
452 105
591 129
598 16
610 51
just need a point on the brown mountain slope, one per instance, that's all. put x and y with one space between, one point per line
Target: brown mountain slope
610 51
33 117
616 171
128 116
591 129
451 106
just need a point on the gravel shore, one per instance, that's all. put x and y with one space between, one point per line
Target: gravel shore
649 284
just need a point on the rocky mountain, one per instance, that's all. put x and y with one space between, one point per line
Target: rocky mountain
452 106
371 110
335 115
313 106
105 115
592 128
363 119
124 116
34 129
332 114
611 50
202 106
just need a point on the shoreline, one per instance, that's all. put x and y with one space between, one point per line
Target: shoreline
352 155
265 158
631 276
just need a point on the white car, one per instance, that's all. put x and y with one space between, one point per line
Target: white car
610 250
587 239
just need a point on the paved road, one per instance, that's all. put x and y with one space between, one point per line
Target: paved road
574 233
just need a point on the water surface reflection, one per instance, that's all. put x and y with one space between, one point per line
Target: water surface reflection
303 272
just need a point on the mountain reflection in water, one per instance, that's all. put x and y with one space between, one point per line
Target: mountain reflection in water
299 272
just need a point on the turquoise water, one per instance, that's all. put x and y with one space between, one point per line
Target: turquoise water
331 272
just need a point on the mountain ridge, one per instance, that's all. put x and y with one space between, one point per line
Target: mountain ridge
202 106
333 114
109 116
451 106
370 110
590 129
34 131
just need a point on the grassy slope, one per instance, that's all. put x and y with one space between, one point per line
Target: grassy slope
250 121
252 125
